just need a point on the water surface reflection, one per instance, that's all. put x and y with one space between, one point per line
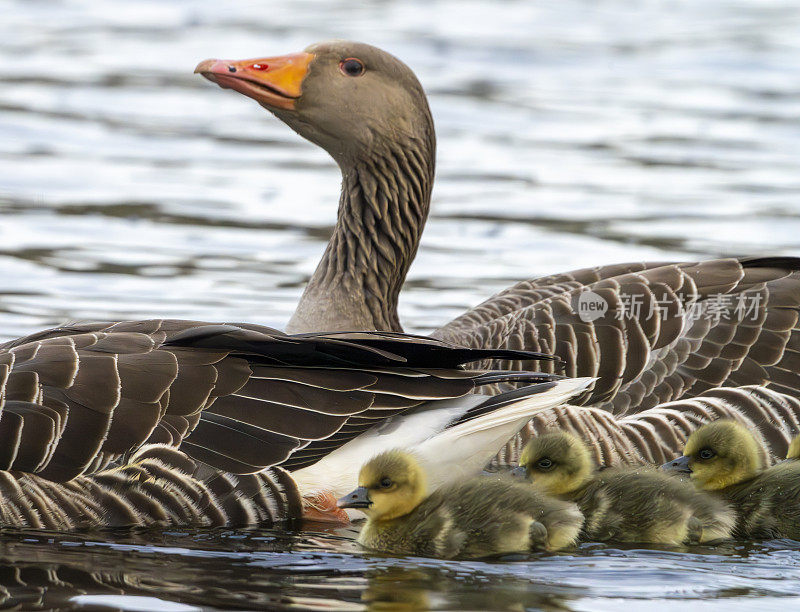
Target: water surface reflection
262 569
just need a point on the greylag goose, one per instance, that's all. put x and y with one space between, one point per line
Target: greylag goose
670 335
167 422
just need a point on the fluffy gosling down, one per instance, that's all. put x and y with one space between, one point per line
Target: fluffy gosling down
794 449
724 458
624 504
477 517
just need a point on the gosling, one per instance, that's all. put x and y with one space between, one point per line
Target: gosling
723 457
624 504
479 517
794 449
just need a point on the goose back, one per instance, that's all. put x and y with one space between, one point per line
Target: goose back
237 397
669 331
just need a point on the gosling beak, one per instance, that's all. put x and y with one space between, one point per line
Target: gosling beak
520 472
680 465
273 82
355 499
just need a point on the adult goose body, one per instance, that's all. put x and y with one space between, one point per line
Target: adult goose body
170 422
664 332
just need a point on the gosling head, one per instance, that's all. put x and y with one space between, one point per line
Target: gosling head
719 454
794 449
557 461
390 485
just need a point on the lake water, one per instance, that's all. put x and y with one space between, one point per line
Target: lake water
571 133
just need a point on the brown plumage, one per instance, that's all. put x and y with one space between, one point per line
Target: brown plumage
671 331
656 435
725 459
157 486
625 504
174 422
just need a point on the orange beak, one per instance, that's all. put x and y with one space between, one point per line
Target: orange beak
274 82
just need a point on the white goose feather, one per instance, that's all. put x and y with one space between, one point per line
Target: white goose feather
447 452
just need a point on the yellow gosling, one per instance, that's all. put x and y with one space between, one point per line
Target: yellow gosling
624 504
478 517
725 458
794 449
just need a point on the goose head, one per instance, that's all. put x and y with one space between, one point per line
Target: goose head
351 99
390 485
719 454
557 461
369 112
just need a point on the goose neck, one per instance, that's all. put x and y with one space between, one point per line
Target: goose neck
382 211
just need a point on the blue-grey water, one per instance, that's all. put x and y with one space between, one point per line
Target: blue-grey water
571 133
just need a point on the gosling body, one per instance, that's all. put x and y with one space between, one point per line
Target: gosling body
479 517
624 504
724 458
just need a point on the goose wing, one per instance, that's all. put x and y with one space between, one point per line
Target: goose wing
235 396
670 331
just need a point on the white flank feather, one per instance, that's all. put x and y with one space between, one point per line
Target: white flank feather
446 454
338 470
464 450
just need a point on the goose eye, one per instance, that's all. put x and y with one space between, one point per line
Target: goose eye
544 464
351 67
386 483
706 453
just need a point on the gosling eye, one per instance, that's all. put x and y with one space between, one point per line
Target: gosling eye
706 453
544 464
385 483
352 67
